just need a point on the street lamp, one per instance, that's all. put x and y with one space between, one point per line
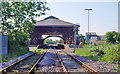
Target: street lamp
75 30
88 9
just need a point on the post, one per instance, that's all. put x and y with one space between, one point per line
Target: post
88 20
74 42
0 48
0 36
88 23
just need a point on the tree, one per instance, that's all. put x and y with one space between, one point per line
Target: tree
61 41
50 41
20 16
87 42
117 37
110 37
18 19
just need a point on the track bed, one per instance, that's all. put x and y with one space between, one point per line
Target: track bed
70 64
25 65
50 63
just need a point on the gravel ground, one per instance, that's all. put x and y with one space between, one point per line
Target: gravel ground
49 63
70 64
97 66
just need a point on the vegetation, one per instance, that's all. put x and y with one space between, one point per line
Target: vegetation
18 19
87 42
61 41
50 41
112 37
39 51
110 50
14 55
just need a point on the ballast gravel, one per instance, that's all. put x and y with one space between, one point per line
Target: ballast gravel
96 65
50 63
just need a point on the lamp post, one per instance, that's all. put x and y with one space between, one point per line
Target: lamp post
88 9
75 29
74 40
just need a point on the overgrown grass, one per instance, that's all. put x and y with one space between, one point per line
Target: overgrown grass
14 55
39 51
110 50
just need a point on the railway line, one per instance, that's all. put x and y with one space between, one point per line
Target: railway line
25 65
53 60
71 64
49 63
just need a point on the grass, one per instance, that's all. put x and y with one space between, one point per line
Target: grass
110 50
14 55
85 51
39 51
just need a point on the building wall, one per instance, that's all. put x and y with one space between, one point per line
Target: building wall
93 39
89 36
100 41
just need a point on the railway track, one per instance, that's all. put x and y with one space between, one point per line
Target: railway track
26 65
63 62
70 64
49 63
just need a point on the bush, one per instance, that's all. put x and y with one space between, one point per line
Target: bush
14 55
18 41
112 37
111 52
111 55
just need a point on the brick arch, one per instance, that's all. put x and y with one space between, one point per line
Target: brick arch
52 26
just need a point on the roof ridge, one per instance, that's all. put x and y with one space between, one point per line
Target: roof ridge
56 22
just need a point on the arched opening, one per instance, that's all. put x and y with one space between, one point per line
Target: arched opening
53 40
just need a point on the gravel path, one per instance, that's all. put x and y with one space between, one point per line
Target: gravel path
49 63
70 64
98 66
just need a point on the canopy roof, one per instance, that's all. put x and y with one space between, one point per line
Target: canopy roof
53 21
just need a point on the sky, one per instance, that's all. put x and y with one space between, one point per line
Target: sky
103 18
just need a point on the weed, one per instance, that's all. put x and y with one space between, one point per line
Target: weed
5 71
111 52
35 69
16 65
14 55
17 60
21 63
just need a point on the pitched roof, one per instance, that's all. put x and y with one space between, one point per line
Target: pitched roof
91 33
53 21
